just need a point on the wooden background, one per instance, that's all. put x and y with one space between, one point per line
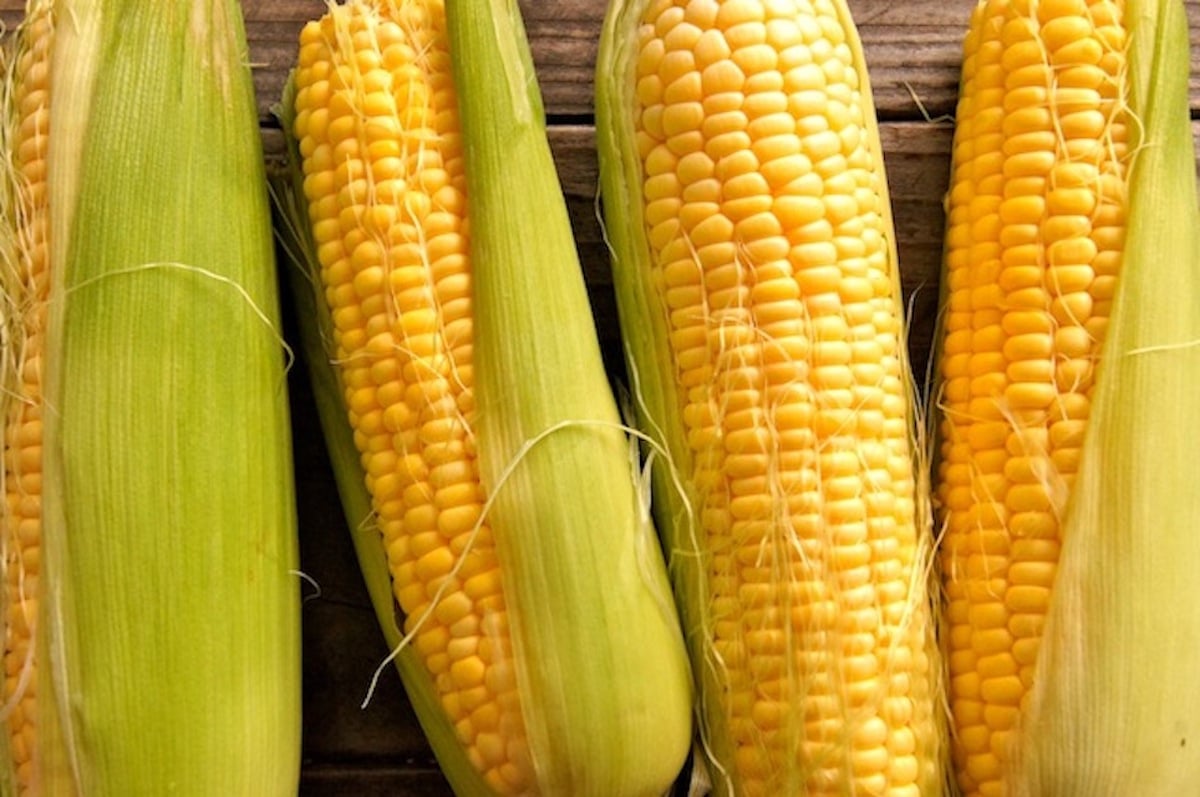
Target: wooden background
913 54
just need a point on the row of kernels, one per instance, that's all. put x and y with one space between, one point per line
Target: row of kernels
972 263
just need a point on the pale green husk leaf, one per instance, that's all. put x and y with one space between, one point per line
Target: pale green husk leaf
170 530
602 669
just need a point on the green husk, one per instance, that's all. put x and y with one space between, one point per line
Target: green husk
170 553
602 666
1115 707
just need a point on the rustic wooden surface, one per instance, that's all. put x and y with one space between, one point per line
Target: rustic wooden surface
912 50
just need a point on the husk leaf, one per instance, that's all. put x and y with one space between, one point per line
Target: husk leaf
602 669
170 518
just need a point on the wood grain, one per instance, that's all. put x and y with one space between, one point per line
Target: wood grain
913 53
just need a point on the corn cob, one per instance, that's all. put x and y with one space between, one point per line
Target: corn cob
759 298
1044 481
539 643
149 529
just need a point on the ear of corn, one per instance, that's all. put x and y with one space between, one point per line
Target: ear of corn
168 625
540 646
759 297
1067 397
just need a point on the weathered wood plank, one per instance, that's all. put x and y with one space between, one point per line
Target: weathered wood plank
370 779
